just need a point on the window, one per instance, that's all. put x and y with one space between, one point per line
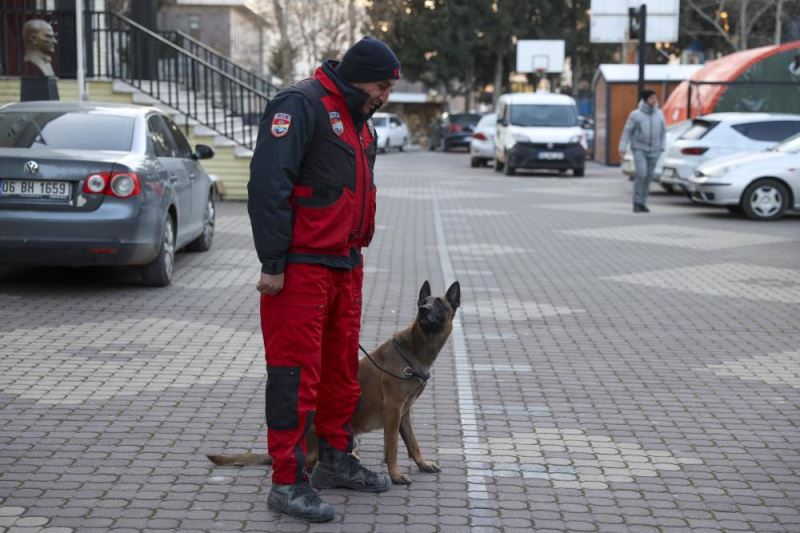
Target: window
160 137
770 131
394 121
379 122
184 149
66 131
698 130
543 115
487 121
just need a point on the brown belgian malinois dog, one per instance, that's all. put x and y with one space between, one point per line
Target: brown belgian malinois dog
391 378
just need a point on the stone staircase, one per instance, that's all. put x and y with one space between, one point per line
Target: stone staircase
231 162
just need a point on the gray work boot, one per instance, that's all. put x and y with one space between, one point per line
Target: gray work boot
337 469
299 501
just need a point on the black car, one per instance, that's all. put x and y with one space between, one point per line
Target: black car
453 130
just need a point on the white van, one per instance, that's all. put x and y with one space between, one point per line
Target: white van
539 130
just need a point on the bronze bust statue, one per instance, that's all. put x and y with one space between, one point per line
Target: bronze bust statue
40 45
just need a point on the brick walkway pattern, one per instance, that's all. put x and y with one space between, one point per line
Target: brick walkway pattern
608 371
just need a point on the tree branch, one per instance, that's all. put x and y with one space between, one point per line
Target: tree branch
713 22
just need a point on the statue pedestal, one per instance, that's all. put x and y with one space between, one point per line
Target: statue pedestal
39 88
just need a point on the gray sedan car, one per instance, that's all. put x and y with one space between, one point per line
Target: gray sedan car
100 184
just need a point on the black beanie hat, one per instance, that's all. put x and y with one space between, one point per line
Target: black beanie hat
646 93
369 60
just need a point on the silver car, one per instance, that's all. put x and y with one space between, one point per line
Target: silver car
100 184
763 184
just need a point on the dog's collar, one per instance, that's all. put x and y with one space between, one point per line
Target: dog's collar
410 371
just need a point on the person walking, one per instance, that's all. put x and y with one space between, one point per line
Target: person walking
647 133
312 209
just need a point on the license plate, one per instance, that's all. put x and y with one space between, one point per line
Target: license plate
35 189
551 155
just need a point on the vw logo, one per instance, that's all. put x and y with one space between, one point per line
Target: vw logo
31 167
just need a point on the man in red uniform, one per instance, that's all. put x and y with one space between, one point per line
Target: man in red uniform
312 209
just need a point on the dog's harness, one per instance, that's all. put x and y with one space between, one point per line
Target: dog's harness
409 372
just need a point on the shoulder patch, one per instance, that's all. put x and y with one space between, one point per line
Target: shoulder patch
371 127
336 123
280 124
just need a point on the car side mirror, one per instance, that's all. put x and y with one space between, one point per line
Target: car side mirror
201 151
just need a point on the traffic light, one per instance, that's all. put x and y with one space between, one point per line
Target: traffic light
634 23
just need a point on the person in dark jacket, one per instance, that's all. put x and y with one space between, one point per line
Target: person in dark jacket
312 210
647 133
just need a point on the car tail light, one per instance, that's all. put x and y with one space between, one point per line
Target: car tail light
119 184
455 128
96 183
124 184
480 136
693 150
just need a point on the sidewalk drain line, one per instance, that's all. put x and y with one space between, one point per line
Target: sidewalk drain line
477 492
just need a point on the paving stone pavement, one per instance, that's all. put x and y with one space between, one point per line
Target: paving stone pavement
607 371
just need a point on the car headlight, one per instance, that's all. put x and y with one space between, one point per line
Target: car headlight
579 138
520 138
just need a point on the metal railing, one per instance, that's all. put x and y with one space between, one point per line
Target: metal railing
222 62
125 50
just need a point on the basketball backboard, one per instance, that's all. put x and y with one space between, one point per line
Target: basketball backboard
540 56
609 20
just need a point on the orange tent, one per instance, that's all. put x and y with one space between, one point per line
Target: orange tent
766 64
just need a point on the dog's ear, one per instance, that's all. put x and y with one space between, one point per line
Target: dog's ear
454 295
424 292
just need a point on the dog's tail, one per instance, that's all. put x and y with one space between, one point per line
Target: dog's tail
242 459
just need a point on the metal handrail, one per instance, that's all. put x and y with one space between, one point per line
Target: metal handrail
123 49
210 55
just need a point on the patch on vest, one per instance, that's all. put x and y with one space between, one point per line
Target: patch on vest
280 124
371 128
336 123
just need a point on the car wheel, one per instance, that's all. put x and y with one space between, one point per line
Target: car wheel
498 165
474 162
578 172
158 273
402 145
667 187
765 199
509 170
203 242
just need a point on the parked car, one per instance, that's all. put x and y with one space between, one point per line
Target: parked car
392 131
587 123
539 131
673 132
763 184
721 134
453 130
481 146
101 184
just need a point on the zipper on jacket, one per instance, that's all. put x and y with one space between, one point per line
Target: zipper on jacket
365 195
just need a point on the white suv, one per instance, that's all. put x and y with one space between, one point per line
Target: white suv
721 134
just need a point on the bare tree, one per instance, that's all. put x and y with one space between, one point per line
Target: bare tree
310 32
745 16
284 45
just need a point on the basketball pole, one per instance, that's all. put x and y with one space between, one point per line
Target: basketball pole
642 44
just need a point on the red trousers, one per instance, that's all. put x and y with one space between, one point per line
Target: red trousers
310 330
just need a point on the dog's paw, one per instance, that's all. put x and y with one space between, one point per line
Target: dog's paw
401 479
429 467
